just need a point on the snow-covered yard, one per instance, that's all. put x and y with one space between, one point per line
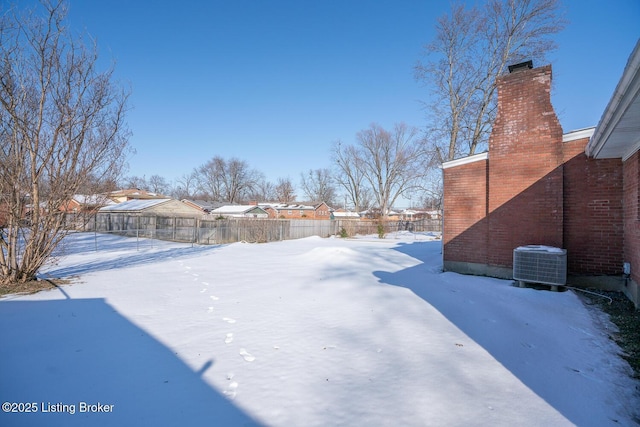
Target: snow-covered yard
311 332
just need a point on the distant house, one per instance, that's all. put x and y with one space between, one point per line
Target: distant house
157 207
81 203
434 214
376 213
414 214
297 211
240 211
124 195
342 214
203 205
81 209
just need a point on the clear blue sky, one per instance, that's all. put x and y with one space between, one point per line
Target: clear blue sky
276 82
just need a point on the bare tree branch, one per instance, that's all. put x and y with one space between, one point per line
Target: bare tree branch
472 48
318 186
61 129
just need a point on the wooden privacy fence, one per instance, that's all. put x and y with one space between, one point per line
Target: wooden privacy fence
218 231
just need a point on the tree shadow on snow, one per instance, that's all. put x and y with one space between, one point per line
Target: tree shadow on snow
64 352
126 259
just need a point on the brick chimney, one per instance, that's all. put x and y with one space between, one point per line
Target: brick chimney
525 173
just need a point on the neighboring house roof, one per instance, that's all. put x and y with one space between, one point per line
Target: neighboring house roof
618 132
202 204
376 212
238 209
338 214
92 200
415 212
134 205
291 206
136 193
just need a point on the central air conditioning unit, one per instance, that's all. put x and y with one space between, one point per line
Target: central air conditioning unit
540 264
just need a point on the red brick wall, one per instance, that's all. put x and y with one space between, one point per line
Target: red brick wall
535 189
465 210
631 202
320 212
593 213
525 175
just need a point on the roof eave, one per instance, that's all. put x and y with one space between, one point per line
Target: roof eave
626 92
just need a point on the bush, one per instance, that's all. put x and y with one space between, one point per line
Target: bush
380 231
343 233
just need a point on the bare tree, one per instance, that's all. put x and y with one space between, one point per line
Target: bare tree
318 186
350 174
61 127
284 191
134 181
185 186
227 181
210 178
158 184
472 48
262 191
239 180
390 162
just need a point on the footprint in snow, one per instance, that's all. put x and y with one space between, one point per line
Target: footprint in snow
248 357
229 338
229 320
232 391
214 298
205 283
210 310
203 291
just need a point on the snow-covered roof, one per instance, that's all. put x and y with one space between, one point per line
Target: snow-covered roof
92 199
287 206
134 205
235 209
202 204
540 248
337 214
135 193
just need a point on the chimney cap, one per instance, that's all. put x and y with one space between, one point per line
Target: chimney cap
527 65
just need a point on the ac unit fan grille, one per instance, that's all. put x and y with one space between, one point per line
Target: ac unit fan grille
540 266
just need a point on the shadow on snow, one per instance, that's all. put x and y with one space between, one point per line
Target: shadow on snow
451 297
82 350
122 252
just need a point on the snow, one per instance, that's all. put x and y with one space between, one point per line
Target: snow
540 248
313 332
134 205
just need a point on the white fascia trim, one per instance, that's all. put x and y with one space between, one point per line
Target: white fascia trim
578 134
465 160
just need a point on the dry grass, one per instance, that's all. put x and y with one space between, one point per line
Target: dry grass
626 317
30 287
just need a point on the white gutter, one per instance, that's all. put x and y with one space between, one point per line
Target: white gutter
465 160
